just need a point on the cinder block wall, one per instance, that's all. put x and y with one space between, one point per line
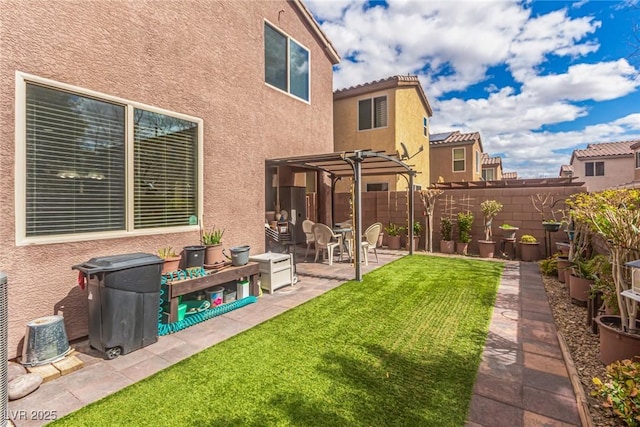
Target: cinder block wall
518 210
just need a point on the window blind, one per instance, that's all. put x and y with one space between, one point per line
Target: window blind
380 119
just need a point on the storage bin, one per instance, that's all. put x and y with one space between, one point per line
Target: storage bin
276 270
229 296
215 295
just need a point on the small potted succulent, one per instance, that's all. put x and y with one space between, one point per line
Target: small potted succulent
212 240
171 259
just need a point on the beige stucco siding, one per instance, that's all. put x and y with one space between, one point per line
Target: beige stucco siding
410 113
442 163
617 171
200 58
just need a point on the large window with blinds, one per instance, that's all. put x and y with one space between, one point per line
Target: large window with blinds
105 165
372 113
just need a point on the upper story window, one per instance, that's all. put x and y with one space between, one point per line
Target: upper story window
458 159
102 167
594 169
477 162
637 159
425 126
372 113
489 174
286 63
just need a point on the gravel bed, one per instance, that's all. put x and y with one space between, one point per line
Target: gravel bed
571 321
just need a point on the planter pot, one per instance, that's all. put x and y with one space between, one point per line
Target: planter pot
579 290
380 237
530 251
447 246
416 243
563 247
551 227
393 242
213 255
486 248
509 233
171 264
461 248
563 265
614 343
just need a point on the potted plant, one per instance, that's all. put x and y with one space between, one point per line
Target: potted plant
393 231
171 259
417 229
465 221
490 209
529 248
542 203
447 245
212 240
581 279
508 231
614 215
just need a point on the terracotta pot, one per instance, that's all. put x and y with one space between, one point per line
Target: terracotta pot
579 290
614 343
461 248
393 242
380 237
416 243
171 264
213 255
447 246
486 248
529 251
563 265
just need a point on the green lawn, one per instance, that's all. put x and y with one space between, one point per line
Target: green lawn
400 348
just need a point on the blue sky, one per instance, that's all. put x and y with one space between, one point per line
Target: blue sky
537 79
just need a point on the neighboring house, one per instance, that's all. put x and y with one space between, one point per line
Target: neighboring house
604 165
510 175
455 156
566 171
126 124
636 153
491 168
381 115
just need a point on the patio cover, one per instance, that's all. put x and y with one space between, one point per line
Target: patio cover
355 164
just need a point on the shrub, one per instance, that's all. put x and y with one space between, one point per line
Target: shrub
446 226
549 266
620 390
528 238
417 228
394 229
465 220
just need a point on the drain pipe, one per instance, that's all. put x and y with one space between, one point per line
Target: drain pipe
4 315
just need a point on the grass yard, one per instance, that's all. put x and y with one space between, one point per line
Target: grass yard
400 348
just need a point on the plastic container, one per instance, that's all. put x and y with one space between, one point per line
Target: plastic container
182 310
229 296
192 256
240 255
215 296
242 289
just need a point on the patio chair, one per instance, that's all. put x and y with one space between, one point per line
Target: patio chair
308 233
324 239
370 240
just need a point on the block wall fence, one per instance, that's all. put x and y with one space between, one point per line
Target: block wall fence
518 210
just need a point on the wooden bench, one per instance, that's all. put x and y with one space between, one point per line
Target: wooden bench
213 278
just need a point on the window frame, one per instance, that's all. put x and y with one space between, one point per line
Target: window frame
425 126
373 113
288 54
381 184
485 172
454 160
594 168
637 159
20 187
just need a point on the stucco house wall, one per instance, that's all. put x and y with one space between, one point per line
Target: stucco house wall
410 115
442 163
617 171
199 58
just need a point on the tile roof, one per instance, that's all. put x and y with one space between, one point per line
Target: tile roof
389 82
606 149
490 161
510 175
456 138
635 146
331 52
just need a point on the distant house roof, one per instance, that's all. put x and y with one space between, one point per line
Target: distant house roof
604 150
328 47
390 82
635 146
566 170
489 162
510 175
455 138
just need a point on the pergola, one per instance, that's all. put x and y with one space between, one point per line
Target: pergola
355 164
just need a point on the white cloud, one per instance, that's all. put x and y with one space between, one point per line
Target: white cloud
450 45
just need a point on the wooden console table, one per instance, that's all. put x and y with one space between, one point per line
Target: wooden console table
177 288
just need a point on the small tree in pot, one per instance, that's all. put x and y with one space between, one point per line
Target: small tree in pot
490 209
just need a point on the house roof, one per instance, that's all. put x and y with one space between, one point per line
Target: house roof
488 161
390 82
455 138
510 175
328 47
566 169
605 150
635 146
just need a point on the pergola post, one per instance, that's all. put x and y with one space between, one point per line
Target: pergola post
357 207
